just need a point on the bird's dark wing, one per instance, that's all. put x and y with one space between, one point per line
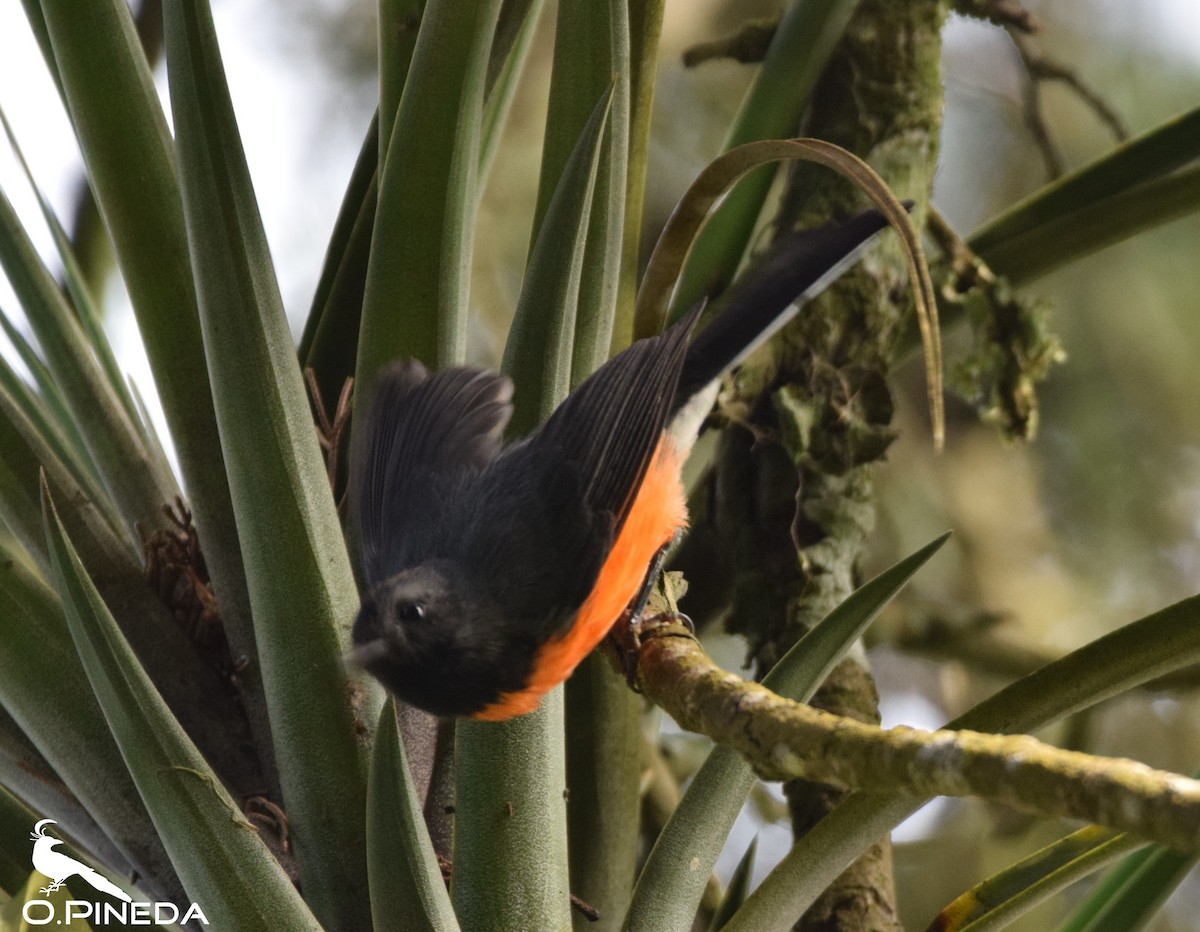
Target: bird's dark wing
796 270
610 426
425 437
550 507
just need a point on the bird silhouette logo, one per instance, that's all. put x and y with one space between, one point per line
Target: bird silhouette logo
58 866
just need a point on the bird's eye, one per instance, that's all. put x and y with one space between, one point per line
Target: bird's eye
409 612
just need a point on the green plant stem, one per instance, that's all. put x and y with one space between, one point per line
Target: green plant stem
603 736
510 844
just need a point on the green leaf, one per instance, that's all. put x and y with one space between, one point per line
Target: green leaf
225 867
1143 650
28 775
329 345
1133 892
399 23
45 690
415 303
739 886
591 60
85 309
604 773
802 45
673 877
510 852
48 410
29 440
1152 155
115 111
30 436
645 28
1014 891
129 471
16 820
172 661
408 893
1092 227
302 591
515 30
539 348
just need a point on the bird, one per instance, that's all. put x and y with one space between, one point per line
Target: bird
490 571
58 866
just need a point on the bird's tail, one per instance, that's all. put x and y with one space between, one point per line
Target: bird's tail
103 884
757 305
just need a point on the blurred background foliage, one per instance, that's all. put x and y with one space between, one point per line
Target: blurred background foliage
1093 523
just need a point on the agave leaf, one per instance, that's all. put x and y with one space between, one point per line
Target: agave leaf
645 28
66 724
1152 155
591 59
29 436
1020 887
540 341
399 24
510 852
114 108
1056 241
225 867
415 303
511 24
29 777
1132 893
85 309
29 442
603 730
673 877
739 886
1143 650
329 344
137 488
515 30
47 409
171 659
301 588
802 45
408 893
16 820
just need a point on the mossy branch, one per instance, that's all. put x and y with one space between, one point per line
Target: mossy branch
783 740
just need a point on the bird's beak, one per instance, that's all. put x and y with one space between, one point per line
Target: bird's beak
363 655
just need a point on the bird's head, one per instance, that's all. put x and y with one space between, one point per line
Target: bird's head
436 643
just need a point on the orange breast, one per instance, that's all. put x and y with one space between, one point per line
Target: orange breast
658 512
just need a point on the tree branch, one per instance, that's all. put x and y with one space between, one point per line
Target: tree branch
783 740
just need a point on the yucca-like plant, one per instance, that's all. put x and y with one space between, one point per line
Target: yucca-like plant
172 672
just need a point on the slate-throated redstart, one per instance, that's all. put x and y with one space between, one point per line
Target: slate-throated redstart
492 573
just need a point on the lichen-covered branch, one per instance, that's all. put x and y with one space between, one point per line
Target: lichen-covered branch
783 740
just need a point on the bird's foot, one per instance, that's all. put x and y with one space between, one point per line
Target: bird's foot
630 631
